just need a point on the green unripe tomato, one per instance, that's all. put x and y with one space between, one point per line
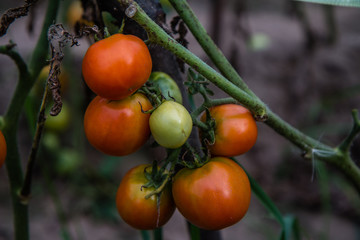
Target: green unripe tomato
60 122
69 160
170 124
167 86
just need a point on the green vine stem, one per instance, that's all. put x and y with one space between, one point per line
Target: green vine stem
13 163
27 77
312 147
209 46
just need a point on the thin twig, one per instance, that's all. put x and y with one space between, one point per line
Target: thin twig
12 14
26 188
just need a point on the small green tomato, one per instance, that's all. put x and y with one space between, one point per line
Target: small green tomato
170 124
166 85
60 122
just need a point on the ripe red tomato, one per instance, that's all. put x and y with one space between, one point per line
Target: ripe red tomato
235 130
117 127
137 211
117 66
2 149
214 196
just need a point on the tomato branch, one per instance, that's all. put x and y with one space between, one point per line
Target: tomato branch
312 147
209 46
159 36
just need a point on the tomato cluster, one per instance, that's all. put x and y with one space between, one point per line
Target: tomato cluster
117 121
3 149
114 68
214 193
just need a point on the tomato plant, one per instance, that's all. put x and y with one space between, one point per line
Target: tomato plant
3 149
214 196
135 209
170 124
117 127
117 66
166 85
235 130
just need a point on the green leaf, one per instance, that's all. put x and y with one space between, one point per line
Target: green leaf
266 201
289 224
343 3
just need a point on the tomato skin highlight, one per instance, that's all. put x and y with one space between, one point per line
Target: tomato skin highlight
3 149
137 211
214 196
171 124
115 67
235 130
117 128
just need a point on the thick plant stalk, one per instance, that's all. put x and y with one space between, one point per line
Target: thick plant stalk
313 148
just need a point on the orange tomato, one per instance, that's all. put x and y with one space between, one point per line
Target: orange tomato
214 196
117 66
235 130
117 127
2 149
137 211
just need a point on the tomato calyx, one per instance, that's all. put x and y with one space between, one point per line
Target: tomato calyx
209 134
159 177
154 94
196 83
197 159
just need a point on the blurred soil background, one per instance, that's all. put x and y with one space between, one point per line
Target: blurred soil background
303 60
